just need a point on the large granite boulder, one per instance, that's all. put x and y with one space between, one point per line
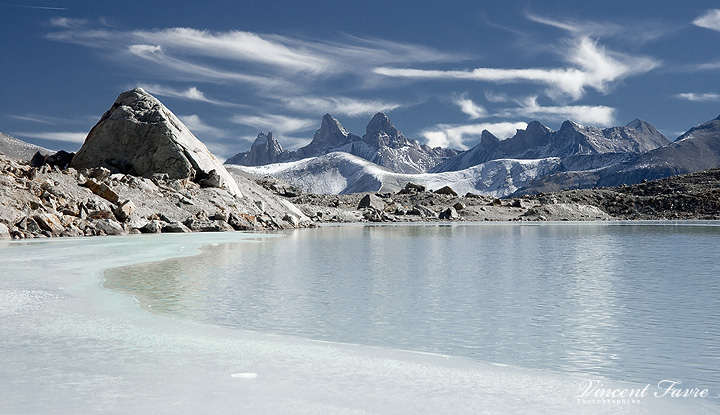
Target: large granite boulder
138 135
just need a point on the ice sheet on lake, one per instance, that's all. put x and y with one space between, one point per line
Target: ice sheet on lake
69 346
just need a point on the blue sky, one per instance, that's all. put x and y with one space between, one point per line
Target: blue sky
443 72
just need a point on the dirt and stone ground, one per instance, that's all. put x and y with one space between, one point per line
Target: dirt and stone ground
48 202
691 196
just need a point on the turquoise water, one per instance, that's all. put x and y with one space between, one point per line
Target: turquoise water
637 303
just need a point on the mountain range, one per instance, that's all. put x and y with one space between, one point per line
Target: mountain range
536 159
382 144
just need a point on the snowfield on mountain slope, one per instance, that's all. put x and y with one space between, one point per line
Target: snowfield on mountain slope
342 173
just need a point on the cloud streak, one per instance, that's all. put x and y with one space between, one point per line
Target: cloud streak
279 124
65 136
702 97
592 67
709 20
339 105
200 128
598 115
640 31
246 56
191 93
455 136
469 107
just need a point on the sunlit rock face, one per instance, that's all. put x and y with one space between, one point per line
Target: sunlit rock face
138 135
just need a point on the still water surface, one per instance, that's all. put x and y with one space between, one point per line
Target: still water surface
638 303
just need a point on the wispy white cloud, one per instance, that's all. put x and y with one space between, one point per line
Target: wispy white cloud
339 105
709 66
155 54
191 93
638 30
709 20
40 119
456 136
469 107
65 136
279 124
67 22
528 107
598 115
235 46
38 7
593 66
246 56
699 97
199 128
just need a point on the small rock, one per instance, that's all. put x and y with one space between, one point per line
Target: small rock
459 206
371 201
373 215
32 227
72 231
99 173
102 190
292 219
50 223
219 216
242 222
413 186
423 211
495 202
124 210
109 227
449 214
213 179
100 214
446 190
175 227
154 226
4 231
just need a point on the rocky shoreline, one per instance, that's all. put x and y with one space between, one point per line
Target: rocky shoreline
53 202
48 201
694 196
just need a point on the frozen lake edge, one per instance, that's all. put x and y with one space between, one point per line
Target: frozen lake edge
73 347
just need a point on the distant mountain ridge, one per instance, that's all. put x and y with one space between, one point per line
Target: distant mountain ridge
536 159
571 140
382 144
343 173
698 149
18 149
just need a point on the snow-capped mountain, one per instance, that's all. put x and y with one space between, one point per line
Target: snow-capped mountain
382 144
264 150
697 149
570 141
341 173
536 159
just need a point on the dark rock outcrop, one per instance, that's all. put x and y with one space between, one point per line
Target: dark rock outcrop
264 150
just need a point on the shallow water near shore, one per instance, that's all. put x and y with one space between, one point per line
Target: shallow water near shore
638 303
558 303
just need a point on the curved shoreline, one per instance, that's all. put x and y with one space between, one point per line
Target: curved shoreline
124 360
